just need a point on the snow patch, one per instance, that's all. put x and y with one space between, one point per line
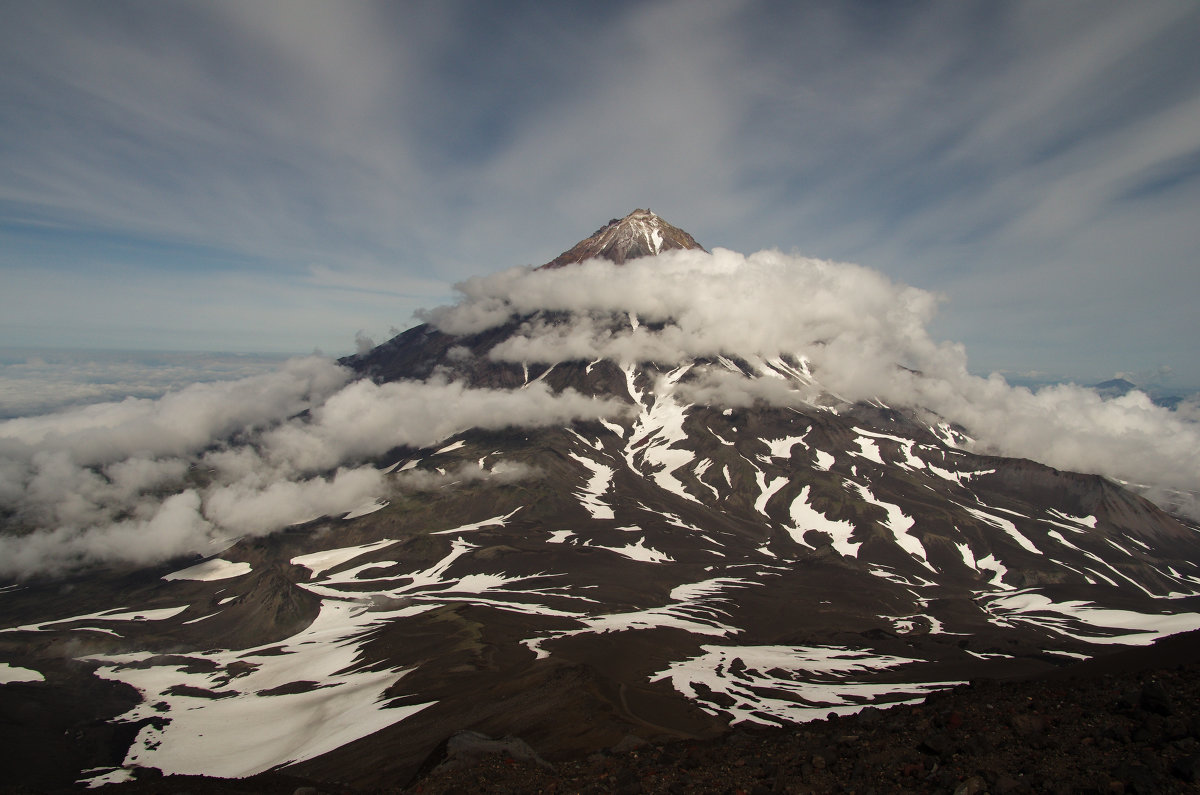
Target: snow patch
318 562
366 508
899 524
805 518
1007 526
824 460
209 570
1082 620
495 521
772 684
591 495
117 614
12 674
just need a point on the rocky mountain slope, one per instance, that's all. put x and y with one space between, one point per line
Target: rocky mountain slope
728 542
639 234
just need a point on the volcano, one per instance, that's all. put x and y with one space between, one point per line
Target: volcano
726 539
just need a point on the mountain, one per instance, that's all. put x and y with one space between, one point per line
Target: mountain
727 541
639 234
1114 387
1160 395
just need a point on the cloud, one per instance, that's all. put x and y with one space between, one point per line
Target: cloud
142 480
367 419
723 303
173 527
863 335
718 386
39 381
180 422
500 472
257 511
362 343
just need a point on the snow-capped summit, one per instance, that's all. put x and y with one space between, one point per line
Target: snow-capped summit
642 233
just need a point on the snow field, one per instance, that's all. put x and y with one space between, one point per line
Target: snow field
249 730
12 674
160 614
789 683
899 524
209 570
805 518
1081 620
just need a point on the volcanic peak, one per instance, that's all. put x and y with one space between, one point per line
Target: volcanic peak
639 234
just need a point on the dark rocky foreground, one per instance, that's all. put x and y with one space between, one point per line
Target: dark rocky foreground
1127 724
1124 723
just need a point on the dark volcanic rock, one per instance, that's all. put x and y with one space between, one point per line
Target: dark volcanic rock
973 752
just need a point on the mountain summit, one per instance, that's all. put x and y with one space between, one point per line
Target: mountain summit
639 234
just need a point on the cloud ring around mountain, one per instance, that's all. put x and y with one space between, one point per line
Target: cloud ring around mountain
866 337
144 480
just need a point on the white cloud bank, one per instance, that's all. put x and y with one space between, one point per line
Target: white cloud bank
865 335
41 381
143 480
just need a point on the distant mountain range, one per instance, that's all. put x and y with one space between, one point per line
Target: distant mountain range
1119 387
1166 396
694 558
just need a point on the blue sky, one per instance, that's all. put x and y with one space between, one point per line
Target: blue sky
276 176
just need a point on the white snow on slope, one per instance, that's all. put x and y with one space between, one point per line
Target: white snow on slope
251 729
638 551
209 570
1006 525
766 490
1083 620
805 518
650 449
1074 522
591 495
495 521
698 471
694 607
869 450
788 683
312 692
12 674
318 562
366 508
117 614
984 564
782 448
899 524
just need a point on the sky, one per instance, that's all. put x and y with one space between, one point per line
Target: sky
279 176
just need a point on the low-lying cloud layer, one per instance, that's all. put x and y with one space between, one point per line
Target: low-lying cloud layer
40 381
865 336
143 480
